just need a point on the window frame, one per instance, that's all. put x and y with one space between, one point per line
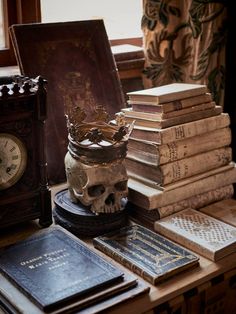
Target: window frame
19 12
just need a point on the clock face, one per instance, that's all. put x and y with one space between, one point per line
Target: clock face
13 158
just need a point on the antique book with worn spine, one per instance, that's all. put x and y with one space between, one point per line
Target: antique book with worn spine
155 154
175 105
181 131
148 254
200 201
149 195
199 232
165 123
54 268
224 210
180 169
167 93
130 113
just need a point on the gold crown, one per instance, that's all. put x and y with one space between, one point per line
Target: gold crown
98 141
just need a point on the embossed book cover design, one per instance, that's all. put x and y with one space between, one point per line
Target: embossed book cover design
199 232
76 60
53 267
148 254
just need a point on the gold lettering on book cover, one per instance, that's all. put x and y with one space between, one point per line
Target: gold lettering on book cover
206 229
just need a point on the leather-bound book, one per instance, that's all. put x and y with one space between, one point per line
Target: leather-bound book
76 60
146 253
54 268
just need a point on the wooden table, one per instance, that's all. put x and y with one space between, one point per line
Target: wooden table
208 288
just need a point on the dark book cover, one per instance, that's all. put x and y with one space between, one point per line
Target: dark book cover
53 268
150 255
129 289
76 60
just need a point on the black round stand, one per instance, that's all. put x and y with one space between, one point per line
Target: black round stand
81 221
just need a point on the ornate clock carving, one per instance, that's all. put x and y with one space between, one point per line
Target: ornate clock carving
24 191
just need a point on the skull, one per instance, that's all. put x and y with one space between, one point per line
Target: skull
101 186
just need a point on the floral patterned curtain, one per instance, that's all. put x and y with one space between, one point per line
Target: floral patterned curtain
184 41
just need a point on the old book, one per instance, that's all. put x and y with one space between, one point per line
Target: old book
150 197
127 52
224 210
148 254
180 169
76 60
131 113
170 106
166 93
181 131
200 201
199 232
165 123
53 268
130 288
155 154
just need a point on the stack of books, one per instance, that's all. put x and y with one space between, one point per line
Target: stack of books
53 271
179 153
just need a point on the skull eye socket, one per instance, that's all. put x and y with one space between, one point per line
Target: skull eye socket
96 190
121 186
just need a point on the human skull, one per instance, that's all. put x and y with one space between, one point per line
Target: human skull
101 186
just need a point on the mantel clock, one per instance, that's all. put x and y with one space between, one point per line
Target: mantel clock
24 191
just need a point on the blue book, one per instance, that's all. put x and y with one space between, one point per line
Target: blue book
54 268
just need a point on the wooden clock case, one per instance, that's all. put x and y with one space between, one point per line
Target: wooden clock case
23 114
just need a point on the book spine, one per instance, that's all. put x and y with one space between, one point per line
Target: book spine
165 123
194 128
170 106
186 242
154 154
194 145
121 259
197 201
188 110
182 131
150 198
180 169
166 115
186 167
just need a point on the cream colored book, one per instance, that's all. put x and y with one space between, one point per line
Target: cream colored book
168 92
180 169
155 154
181 131
130 113
199 201
224 210
170 106
199 232
165 123
150 196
